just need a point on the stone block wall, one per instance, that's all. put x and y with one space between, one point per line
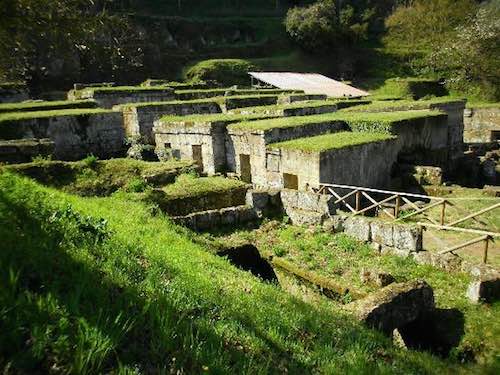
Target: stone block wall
306 208
74 136
213 219
248 101
455 120
24 150
139 120
180 137
253 143
427 137
108 99
481 125
368 164
13 94
399 239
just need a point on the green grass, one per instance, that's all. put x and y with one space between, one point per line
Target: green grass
242 91
50 105
91 177
303 104
340 259
117 89
216 117
191 186
216 99
401 105
483 105
357 121
18 116
100 285
331 141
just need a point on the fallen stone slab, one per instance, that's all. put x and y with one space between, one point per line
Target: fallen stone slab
394 306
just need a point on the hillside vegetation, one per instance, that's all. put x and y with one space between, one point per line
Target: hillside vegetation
94 285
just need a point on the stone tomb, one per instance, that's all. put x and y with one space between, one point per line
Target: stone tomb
368 163
139 119
75 133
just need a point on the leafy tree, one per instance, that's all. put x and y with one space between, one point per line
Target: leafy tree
313 27
335 23
472 59
41 37
424 23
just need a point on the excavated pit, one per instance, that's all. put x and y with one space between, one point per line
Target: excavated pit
248 258
437 331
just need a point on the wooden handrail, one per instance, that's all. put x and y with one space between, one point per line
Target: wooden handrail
473 215
380 191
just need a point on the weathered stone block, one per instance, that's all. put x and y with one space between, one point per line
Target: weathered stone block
382 233
394 306
259 200
407 237
358 228
485 288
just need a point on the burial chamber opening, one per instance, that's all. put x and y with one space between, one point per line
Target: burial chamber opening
248 258
437 331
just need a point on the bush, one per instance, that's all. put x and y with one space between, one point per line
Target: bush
314 27
226 72
414 88
91 161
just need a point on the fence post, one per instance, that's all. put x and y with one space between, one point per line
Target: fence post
358 201
398 204
443 208
486 242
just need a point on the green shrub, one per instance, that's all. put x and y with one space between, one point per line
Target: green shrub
91 161
414 88
136 185
225 71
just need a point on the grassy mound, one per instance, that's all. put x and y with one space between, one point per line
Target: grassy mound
94 177
192 194
225 71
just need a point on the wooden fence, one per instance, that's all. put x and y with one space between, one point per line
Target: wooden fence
360 200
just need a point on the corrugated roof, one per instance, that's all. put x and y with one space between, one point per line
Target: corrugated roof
310 83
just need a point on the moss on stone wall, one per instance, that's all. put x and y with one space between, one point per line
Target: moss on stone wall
380 121
49 105
191 194
331 141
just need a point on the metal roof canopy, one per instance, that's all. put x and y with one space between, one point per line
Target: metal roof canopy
310 83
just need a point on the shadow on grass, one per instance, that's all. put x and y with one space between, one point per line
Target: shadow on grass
85 305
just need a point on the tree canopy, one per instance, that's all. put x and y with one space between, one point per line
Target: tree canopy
40 37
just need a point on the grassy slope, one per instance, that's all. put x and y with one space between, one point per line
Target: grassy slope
331 141
133 292
382 118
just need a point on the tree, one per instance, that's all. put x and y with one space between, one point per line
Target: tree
472 58
313 27
425 23
42 37
337 23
